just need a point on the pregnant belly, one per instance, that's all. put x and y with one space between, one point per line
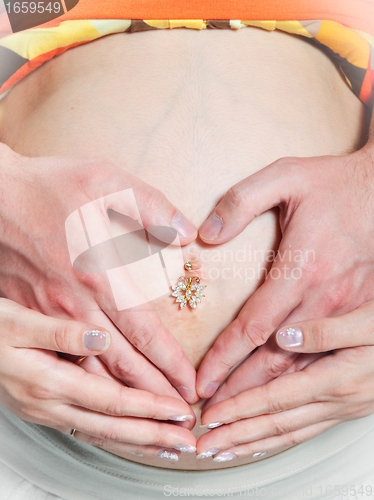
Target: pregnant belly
191 113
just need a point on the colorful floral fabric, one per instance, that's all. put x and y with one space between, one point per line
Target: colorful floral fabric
22 52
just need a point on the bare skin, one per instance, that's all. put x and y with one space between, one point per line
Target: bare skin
191 114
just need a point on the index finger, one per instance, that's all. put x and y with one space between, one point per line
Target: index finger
265 310
125 278
281 394
142 327
106 396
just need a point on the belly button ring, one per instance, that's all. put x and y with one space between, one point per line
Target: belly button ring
188 290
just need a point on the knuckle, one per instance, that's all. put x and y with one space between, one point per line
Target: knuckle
152 199
114 408
60 299
275 365
38 390
238 439
152 406
346 390
337 295
123 367
319 336
296 167
332 300
158 438
280 427
93 281
96 441
142 338
273 403
172 364
110 434
63 338
239 411
91 173
237 196
35 406
253 332
294 438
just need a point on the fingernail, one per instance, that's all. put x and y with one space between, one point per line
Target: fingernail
226 456
207 454
183 226
186 393
210 389
185 448
181 418
212 426
211 227
259 454
95 340
290 337
167 455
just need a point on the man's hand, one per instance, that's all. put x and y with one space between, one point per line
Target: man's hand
325 262
37 196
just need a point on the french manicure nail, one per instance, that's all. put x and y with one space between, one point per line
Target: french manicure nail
207 454
185 448
211 227
226 456
212 425
259 454
210 389
290 337
95 340
181 418
167 455
183 226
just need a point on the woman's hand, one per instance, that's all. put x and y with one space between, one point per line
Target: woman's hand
122 448
40 387
300 405
325 262
37 197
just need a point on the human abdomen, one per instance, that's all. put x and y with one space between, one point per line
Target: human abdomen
191 113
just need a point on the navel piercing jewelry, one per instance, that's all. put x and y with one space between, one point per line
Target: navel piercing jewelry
188 266
188 290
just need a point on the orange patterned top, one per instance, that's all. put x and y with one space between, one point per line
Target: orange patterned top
344 27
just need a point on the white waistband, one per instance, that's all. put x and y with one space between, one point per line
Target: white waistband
74 471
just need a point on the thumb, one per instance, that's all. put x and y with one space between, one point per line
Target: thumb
24 328
150 207
280 182
322 335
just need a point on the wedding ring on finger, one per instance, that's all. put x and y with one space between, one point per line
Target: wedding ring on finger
79 361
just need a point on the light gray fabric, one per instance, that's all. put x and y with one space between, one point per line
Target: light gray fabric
71 470
15 487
